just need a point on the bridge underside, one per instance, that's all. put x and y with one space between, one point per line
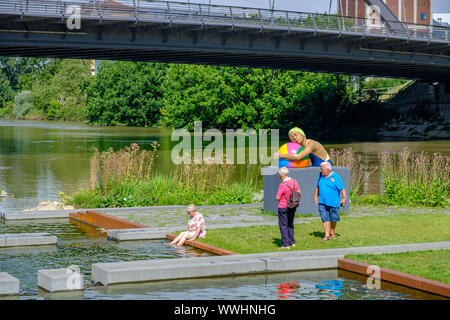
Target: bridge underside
301 49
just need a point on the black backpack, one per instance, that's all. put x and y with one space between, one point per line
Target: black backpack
294 199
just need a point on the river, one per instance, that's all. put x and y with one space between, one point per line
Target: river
38 159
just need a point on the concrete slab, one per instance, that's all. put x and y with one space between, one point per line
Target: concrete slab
153 270
299 263
31 215
9 285
26 239
188 268
64 279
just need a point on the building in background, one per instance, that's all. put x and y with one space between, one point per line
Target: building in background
409 11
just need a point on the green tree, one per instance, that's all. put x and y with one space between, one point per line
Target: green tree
126 93
15 68
60 93
6 92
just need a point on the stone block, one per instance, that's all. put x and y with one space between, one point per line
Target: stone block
64 279
32 215
183 268
9 285
26 239
302 263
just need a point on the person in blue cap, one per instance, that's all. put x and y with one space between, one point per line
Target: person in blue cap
314 149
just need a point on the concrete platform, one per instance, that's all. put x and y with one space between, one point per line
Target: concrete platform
55 280
188 268
26 239
182 268
31 215
9 285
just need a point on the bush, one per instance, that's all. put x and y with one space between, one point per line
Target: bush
7 111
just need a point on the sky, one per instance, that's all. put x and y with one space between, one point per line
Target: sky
321 6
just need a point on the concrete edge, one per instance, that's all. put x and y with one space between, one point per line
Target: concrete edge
154 270
396 277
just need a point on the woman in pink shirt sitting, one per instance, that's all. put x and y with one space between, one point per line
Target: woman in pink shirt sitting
196 227
286 215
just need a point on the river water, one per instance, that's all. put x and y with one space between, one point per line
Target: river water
40 158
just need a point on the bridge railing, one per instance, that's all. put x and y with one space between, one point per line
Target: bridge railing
220 15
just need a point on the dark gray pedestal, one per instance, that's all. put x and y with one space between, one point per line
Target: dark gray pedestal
307 180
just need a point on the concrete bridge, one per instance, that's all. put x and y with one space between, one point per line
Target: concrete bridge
182 32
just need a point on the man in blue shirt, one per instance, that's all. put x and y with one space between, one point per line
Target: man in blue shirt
327 197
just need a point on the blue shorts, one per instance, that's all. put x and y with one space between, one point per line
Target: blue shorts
328 213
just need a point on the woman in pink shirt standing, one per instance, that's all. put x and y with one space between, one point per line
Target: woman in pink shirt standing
286 215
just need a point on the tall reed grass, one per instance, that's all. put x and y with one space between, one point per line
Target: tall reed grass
127 177
415 178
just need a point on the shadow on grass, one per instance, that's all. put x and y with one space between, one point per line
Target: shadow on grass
276 241
319 234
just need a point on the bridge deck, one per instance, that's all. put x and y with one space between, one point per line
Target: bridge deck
211 34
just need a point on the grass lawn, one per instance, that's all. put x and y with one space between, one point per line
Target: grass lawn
352 231
431 264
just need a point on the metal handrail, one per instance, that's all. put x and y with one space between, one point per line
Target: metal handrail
232 16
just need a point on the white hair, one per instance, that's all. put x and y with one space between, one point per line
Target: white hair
326 164
283 171
191 208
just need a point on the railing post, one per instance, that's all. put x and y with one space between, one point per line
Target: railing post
232 17
201 14
168 13
288 21
314 21
260 19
